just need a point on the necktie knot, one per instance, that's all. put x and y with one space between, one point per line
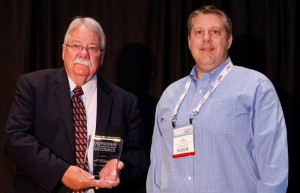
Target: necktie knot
78 91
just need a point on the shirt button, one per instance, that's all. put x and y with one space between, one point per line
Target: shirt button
200 91
189 178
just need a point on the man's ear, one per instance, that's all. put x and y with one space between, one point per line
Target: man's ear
63 51
229 41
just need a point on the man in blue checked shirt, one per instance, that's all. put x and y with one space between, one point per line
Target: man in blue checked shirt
221 129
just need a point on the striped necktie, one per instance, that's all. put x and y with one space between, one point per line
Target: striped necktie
80 126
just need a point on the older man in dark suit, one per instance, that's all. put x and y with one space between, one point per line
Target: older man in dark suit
40 135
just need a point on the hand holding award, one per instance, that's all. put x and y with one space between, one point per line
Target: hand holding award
109 175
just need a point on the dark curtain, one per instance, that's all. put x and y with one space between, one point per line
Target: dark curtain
265 39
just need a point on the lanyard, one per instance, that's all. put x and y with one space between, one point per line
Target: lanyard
220 77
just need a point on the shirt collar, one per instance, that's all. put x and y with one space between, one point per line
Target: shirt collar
88 87
210 75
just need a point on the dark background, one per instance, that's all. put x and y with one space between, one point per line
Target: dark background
265 39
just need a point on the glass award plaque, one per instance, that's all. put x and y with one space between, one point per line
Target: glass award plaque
103 149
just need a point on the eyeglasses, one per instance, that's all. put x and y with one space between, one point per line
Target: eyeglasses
91 50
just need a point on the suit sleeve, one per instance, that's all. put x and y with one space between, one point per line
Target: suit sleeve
134 155
33 159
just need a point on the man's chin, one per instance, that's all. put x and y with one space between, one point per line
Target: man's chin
82 73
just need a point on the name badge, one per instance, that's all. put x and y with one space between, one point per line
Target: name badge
183 142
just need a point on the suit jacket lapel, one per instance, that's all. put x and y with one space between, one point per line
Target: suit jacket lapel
62 92
104 106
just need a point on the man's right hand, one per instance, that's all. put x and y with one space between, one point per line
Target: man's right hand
76 178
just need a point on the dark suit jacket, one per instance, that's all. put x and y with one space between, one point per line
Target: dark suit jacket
39 134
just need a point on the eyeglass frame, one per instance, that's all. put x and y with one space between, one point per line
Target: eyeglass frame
87 48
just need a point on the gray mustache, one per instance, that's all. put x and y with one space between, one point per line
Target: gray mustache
82 61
